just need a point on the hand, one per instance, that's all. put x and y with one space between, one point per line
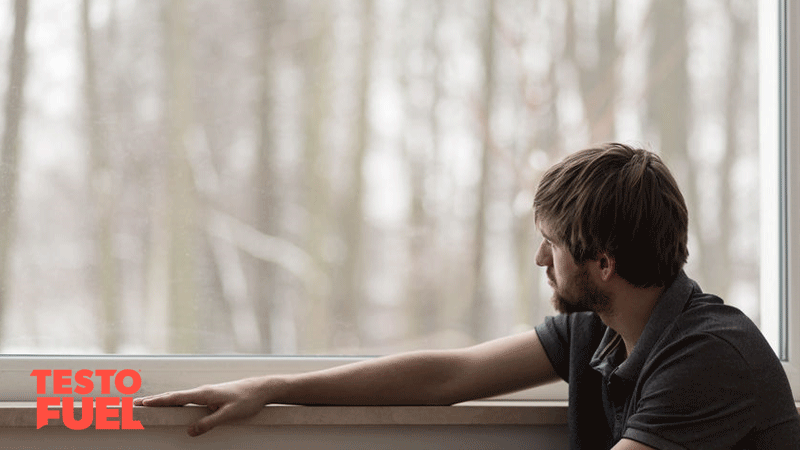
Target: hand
230 401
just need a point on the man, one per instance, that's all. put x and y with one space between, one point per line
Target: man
651 361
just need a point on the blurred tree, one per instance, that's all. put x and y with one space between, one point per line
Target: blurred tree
424 290
668 104
548 142
9 153
319 241
182 209
102 192
597 66
479 308
348 302
734 111
267 199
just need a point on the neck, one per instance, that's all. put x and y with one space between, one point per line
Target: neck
629 312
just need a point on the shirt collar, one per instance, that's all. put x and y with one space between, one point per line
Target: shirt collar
666 309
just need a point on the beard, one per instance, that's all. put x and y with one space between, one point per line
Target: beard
578 294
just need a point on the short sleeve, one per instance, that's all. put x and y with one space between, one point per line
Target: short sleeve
554 335
570 339
697 393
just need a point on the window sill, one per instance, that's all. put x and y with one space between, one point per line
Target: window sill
475 413
504 424
23 415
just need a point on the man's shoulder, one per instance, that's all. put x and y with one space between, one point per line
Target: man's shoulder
710 337
712 361
707 315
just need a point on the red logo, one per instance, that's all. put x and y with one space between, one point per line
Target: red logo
98 410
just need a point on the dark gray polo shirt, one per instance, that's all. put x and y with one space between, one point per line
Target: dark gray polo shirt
701 376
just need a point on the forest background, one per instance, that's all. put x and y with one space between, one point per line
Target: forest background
343 177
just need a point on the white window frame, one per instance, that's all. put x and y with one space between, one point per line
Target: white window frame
789 142
162 373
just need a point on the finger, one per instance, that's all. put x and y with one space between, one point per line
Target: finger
208 422
178 398
139 401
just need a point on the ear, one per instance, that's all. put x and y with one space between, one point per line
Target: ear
607 266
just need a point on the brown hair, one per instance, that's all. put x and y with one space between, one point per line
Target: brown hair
622 201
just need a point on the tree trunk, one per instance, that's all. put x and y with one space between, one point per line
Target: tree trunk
105 273
9 153
348 296
722 270
182 215
266 199
317 187
479 309
668 104
426 298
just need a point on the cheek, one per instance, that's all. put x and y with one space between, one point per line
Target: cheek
563 266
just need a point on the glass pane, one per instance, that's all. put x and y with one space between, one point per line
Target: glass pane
345 177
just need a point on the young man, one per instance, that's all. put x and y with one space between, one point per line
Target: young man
651 361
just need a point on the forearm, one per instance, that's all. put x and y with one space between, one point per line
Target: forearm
417 378
440 377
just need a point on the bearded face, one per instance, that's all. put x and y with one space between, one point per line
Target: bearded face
573 289
575 292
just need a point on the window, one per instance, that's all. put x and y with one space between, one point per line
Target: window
355 177
788 141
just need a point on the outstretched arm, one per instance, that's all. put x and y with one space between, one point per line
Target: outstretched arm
433 377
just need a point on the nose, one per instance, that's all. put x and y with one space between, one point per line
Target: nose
544 256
